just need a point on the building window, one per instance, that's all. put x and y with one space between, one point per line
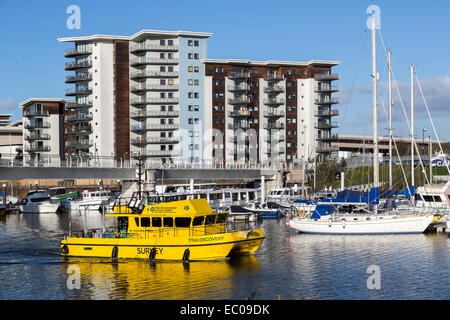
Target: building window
170 42
162 42
190 69
190 55
196 82
195 43
190 82
196 56
196 69
190 43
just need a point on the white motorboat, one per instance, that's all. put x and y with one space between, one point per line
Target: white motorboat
92 201
286 195
39 202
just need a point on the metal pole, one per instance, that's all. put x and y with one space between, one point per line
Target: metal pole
390 119
412 126
375 111
85 221
430 150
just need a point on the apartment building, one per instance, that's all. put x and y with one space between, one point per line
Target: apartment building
263 111
43 120
133 95
156 95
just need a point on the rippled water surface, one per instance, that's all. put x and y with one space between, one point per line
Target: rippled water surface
287 265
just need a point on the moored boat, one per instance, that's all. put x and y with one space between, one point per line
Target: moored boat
179 230
39 202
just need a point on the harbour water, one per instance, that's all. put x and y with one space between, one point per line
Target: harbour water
288 265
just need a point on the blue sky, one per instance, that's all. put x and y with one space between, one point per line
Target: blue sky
32 63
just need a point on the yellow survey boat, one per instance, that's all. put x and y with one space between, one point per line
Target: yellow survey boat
185 230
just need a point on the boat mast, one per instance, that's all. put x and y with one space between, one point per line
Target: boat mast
390 119
375 111
412 127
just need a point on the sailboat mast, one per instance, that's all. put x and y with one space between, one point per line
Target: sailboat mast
375 111
412 126
390 119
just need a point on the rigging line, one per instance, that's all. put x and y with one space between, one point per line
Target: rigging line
404 112
432 123
353 83
396 149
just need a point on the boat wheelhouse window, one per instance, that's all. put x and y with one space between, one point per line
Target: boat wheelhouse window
432 198
40 199
122 223
136 220
227 195
145 222
182 222
210 219
221 218
168 222
198 221
156 222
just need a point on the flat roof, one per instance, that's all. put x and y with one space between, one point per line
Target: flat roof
272 62
143 32
32 100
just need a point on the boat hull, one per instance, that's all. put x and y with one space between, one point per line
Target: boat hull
201 248
41 208
400 225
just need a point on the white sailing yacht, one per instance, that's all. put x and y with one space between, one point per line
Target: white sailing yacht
324 220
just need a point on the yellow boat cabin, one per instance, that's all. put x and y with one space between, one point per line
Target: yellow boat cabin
186 230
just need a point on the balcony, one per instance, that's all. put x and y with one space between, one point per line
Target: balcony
240 88
240 100
273 126
153 74
145 141
239 113
274 76
326 113
273 102
239 125
81 117
78 130
80 144
78 91
154 114
155 153
326 77
155 127
273 114
321 101
75 105
274 89
143 102
324 137
239 75
79 78
274 139
37 125
43 148
71 53
37 136
326 89
143 88
326 148
78 65
326 125
36 113
153 61
152 47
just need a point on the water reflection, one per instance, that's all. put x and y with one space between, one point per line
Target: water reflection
136 279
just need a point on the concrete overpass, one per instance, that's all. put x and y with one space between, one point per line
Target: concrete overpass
355 143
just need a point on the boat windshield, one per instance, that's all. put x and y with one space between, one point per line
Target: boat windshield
40 199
